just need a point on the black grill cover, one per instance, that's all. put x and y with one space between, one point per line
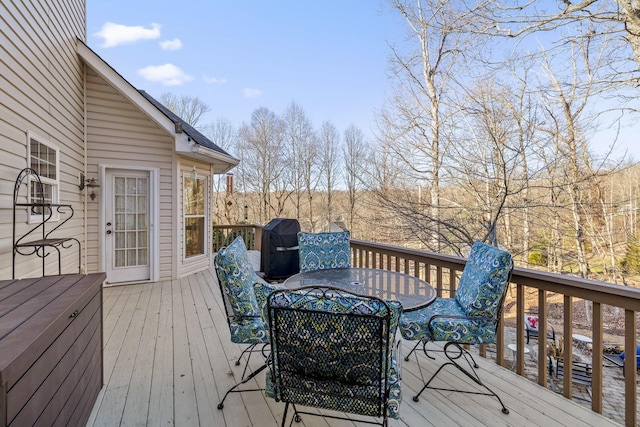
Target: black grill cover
279 252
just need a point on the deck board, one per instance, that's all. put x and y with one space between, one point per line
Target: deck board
168 360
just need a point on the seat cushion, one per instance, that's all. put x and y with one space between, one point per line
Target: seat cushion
234 269
417 325
319 251
248 330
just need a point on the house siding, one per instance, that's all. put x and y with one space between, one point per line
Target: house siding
41 91
119 135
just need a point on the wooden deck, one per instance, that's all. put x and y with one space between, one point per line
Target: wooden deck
168 359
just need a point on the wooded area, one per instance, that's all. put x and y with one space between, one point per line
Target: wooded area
490 134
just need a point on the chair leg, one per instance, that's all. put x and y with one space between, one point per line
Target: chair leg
249 351
245 379
406 359
424 349
284 416
453 355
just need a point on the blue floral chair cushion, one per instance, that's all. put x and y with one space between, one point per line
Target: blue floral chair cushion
319 251
470 317
483 281
234 269
262 290
325 385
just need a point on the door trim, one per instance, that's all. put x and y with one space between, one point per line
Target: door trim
154 218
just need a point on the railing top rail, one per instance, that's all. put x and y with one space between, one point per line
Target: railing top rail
593 290
223 227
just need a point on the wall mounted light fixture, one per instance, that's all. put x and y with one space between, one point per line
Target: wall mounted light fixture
91 183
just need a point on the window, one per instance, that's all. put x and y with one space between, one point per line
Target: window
44 159
194 216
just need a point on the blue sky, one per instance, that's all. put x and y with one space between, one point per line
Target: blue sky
329 56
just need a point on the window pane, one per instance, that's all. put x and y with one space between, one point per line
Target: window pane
142 185
193 196
132 257
142 222
142 204
194 236
120 203
131 186
131 222
119 186
131 204
120 260
120 242
142 239
131 239
142 257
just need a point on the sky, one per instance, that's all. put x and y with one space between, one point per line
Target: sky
329 57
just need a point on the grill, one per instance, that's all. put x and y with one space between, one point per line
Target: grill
279 252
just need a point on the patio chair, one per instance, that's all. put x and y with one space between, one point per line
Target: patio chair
334 350
531 328
470 318
618 359
319 251
236 278
581 373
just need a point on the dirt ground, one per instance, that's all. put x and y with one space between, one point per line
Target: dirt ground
613 326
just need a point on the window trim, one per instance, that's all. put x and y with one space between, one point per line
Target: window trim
54 183
187 175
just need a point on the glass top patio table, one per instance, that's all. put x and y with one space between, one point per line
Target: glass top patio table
412 292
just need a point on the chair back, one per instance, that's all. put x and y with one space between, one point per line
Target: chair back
331 349
484 281
531 322
236 278
319 251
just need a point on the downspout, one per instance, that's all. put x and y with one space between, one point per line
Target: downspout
84 163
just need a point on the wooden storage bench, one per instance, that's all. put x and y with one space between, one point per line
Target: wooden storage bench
50 349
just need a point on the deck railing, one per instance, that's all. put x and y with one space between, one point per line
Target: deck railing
443 272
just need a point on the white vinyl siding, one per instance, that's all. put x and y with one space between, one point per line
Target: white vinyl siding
119 135
41 87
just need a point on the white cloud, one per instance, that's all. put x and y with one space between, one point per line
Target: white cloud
116 34
252 93
167 74
214 80
174 44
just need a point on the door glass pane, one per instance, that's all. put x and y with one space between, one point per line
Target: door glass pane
131 235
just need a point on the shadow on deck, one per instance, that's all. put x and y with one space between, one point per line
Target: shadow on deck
168 359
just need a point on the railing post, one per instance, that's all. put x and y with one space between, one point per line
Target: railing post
596 358
630 366
542 337
258 242
520 329
567 348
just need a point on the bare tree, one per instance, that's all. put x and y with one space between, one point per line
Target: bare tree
611 20
188 108
260 143
328 143
415 127
355 157
222 133
302 150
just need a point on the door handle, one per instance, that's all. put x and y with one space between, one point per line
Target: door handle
108 231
